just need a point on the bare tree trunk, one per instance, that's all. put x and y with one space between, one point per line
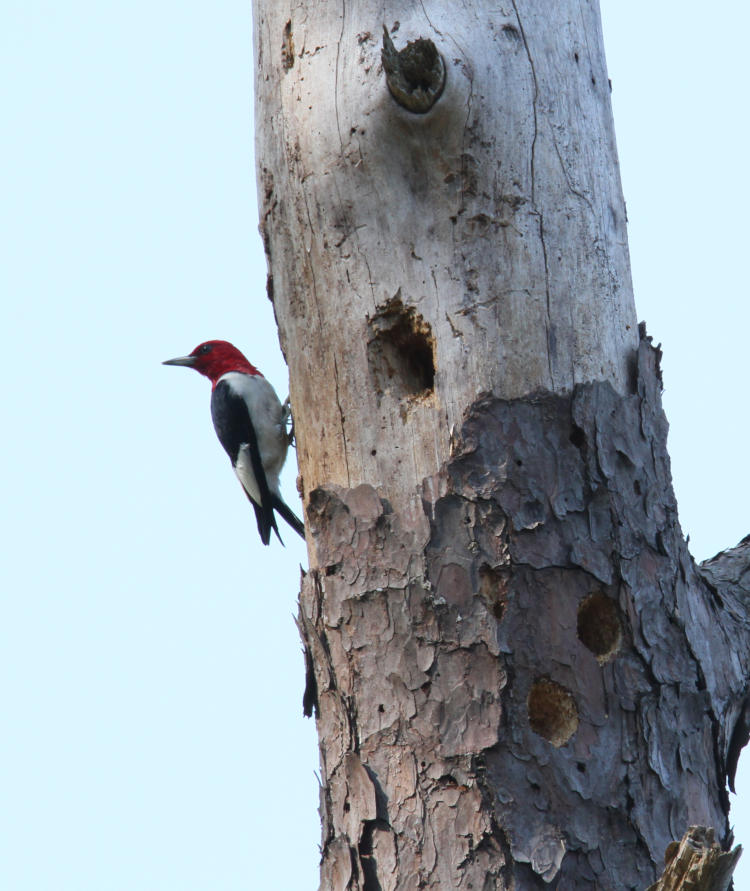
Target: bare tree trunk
518 673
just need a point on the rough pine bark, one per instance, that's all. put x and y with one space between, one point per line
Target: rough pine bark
519 676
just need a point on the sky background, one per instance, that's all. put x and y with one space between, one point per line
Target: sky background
150 671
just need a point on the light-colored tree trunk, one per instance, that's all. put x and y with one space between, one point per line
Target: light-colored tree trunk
506 636
496 221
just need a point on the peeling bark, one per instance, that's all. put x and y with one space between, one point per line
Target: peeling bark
547 503
728 576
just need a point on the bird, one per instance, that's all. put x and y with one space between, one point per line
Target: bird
250 422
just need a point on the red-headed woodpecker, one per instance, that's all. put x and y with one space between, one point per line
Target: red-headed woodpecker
251 425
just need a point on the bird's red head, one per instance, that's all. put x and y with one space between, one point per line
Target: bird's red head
213 358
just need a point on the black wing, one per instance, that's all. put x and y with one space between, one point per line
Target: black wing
235 429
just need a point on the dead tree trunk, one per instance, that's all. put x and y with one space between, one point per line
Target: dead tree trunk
518 673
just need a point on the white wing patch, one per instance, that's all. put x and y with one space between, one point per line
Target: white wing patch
244 470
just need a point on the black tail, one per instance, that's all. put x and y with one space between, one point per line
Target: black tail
288 514
266 522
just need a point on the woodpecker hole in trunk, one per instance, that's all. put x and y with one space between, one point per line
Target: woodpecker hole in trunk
415 75
401 352
599 628
553 713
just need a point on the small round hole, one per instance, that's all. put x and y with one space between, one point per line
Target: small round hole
599 628
553 713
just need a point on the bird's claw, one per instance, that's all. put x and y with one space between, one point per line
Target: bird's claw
288 421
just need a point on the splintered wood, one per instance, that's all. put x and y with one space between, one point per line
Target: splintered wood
697 863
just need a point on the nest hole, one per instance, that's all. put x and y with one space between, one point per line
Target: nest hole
599 628
415 75
553 713
401 351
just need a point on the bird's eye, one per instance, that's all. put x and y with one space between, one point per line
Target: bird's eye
206 348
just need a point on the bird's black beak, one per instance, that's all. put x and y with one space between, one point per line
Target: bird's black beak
188 361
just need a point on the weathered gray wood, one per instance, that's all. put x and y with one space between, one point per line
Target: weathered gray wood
497 218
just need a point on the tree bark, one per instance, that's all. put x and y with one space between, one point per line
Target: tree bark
519 675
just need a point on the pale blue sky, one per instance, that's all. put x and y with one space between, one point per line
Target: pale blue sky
150 674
